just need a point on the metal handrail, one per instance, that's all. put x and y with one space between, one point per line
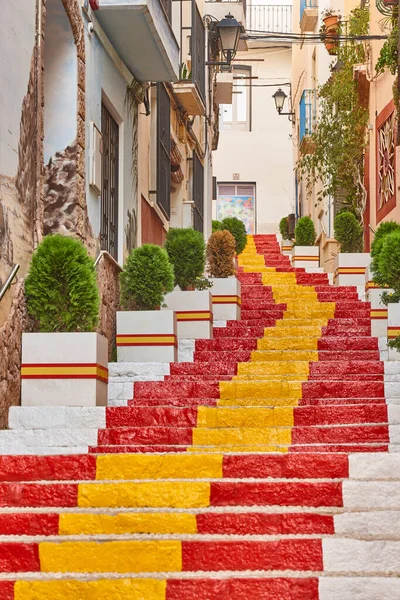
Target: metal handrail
372 229
9 281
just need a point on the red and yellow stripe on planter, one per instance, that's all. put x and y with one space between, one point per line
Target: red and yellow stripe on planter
255 409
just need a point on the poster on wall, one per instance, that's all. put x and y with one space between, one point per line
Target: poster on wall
241 207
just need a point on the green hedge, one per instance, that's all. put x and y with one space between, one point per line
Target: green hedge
186 251
237 228
348 232
216 226
61 288
383 230
284 228
305 234
389 269
147 277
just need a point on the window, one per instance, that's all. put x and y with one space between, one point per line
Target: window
237 116
109 191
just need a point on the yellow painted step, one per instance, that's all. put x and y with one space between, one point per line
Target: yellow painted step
237 436
298 332
151 494
287 343
119 524
244 417
274 368
258 269
111 557
102 589
269 377
254 449
291 322
262 389
284 355
162 466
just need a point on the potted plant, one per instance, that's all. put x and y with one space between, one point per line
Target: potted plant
65 361
192 301
351 262
329 30
286 242
238 229
216 225
226 290
375 282
305 253
389 270
144 332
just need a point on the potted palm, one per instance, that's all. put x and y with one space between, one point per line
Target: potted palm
226 290
305 253
191 299
144 332
351 262
65 361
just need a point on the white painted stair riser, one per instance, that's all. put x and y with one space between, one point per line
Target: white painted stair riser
194 313
226 298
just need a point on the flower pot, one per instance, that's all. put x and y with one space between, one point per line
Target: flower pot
146 336
331 45
378 311
64 369
193 313
287 247
393 330
330 21
226 298
350 268
305 257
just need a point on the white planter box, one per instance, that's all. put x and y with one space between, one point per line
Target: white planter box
287 247
379 312
350 268
305 257
193 313
226 299
146 336
393 329
64 369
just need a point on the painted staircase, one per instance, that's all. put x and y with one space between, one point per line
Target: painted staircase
260 471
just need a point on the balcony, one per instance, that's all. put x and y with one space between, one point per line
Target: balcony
220 8
307 114
141 33
269 17
308 15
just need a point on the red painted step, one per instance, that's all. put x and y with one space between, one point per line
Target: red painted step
252 332
334 415
166 389
342 389
283 466
47 468
350 355
169 435
340 434
225 344
344 343
168 402
243 589
344 448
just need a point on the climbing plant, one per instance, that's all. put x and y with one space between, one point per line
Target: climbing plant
336 164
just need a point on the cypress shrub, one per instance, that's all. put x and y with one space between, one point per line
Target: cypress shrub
186 252
284 228
389 269
383 230
61 289
238 230
216 226
305 234
348 232
147 277
221 248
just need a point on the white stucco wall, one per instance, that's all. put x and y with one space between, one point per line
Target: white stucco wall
17 39
264 154
105 82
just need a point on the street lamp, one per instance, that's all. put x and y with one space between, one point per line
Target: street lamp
280 98
228 32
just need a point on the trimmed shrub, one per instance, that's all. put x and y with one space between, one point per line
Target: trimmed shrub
238 230
348 232
216 226
221 248
305 234
383 230
61 289
147 277
389 269
284 228
186 251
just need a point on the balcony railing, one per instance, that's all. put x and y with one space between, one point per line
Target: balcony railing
307 4
269 17
243 2
307 109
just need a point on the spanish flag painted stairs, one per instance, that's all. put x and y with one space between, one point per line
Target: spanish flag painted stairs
228 480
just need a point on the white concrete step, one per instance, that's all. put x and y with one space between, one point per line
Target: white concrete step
359 588
56 417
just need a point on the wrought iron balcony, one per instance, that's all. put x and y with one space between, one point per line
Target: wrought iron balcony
308 14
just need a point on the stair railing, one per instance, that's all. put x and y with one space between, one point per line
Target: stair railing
9 281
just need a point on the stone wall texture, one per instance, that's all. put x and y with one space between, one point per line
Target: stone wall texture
10 353
108 281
